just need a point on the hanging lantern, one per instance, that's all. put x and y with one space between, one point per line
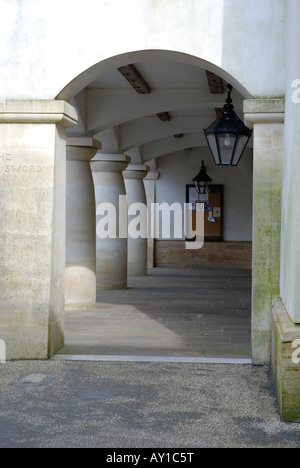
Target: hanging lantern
202 181
228 136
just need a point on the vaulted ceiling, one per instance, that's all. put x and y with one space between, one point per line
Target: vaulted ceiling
151 108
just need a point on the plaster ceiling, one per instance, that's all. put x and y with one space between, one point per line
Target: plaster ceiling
125 121
158 74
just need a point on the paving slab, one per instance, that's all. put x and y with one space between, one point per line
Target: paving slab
187 311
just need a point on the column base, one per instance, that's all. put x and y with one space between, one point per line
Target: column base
285 365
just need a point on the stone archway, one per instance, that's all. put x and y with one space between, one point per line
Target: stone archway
39 333
159 146
267 118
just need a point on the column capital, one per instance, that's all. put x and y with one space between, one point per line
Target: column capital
152 175
38 111
110 162
82 149
264 111
136 172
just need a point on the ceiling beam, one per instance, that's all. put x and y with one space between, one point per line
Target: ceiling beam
142 131
139 84
164 116
111 107
155 149
135 79
215 83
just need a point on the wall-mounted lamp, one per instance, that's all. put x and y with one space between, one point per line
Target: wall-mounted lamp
228 136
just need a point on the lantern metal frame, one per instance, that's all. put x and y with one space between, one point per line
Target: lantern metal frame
202 181
228 136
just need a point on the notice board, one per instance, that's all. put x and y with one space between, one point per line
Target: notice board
214 211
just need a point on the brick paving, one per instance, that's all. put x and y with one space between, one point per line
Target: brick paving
172 312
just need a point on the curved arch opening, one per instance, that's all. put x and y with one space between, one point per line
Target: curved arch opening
101 68
126 122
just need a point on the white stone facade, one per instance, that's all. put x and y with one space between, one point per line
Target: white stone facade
59 80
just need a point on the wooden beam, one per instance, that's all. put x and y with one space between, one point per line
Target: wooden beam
136 80
215 83
164 116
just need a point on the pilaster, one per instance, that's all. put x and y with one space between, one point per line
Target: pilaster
286 362
32 225
267 119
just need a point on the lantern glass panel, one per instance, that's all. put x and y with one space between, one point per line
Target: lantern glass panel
240 147
212 141
227 146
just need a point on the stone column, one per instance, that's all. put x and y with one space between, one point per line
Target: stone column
80 290
135 191
32 226
111 250
267 117
149 183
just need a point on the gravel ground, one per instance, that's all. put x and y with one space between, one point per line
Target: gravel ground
53 404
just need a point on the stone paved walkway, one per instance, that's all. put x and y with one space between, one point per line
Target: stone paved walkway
171 312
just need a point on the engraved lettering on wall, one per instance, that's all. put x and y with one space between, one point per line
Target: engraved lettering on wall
7 166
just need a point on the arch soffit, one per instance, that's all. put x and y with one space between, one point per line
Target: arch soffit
89 75
128 118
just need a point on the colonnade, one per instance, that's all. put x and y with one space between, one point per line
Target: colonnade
33 228
99 192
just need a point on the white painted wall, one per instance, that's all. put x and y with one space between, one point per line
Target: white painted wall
46 44
178 169
290 237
